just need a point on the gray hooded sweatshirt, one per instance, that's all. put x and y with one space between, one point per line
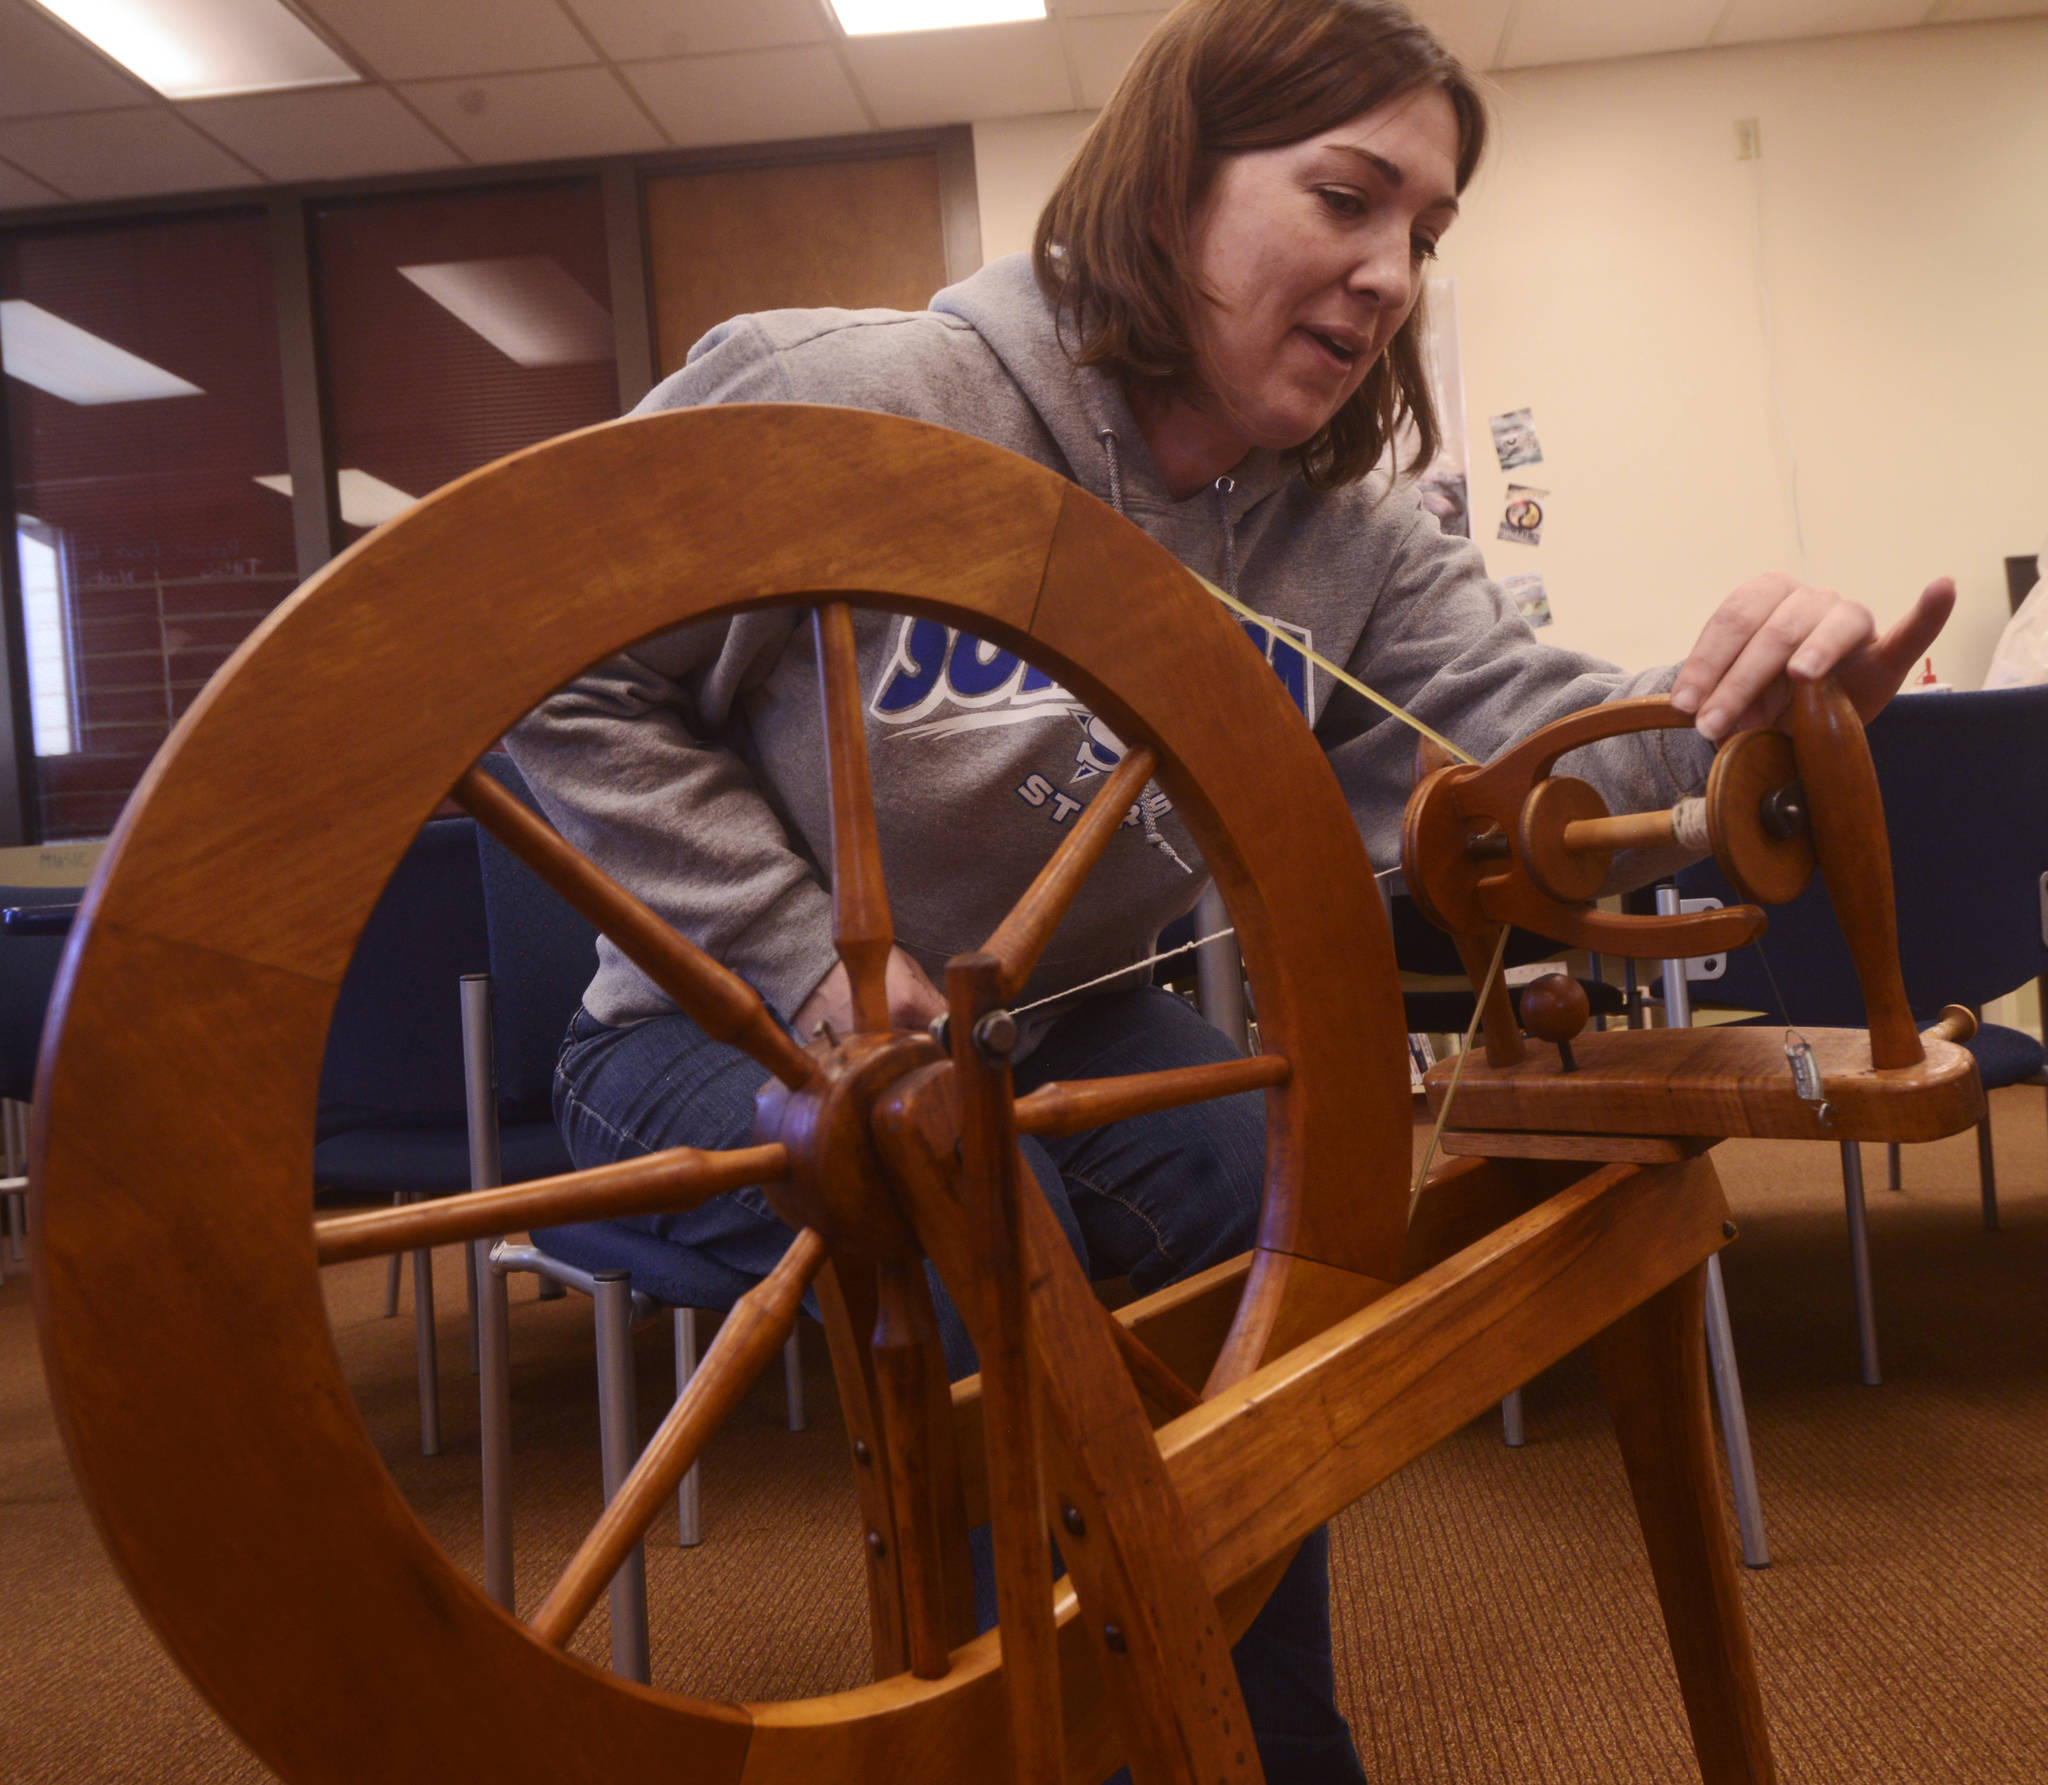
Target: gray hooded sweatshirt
692 766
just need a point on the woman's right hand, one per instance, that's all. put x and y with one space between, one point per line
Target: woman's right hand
913 999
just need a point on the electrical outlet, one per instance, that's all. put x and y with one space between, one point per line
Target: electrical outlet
1748 142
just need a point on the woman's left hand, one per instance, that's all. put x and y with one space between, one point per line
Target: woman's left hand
1774 630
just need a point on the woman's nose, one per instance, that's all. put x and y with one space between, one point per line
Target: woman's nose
1384 270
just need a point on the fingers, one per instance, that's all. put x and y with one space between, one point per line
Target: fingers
913 999
1767 629
1873 676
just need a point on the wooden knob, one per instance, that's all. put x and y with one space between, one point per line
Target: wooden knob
1555 1007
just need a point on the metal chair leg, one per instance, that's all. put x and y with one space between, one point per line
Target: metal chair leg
1749 1509
392 1270
618 1443
494 1422
1894 1182
1987 1173
1859 1263
429 1360
1511 1432
793 1379
1219 971
690 1492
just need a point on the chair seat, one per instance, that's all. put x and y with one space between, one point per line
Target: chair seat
675 1275
379 1161
2006 1056
1448 1012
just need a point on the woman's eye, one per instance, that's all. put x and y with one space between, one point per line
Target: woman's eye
1423 247
1341 202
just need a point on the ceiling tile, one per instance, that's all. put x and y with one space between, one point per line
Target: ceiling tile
1755 21
43 68
1471 28
1592 30
643 30
1103 47
335 133
405 42
759 96
18 190
955 77
536 117
1985 9
125 154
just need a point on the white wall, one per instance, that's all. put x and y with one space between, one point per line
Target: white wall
1615 264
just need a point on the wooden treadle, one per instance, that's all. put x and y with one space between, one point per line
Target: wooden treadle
1714 1082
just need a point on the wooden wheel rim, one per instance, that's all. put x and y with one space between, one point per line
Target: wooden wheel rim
183 1330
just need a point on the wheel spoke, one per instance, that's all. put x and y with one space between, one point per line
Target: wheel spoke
990 1165
755 1331
661 1183
1021 937
861 929
723 1005
1069 1106
917 1422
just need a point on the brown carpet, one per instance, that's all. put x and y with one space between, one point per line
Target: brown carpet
1495 1618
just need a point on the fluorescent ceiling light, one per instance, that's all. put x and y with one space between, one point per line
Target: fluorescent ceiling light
200 49
366 501
63 359
871 18
527 307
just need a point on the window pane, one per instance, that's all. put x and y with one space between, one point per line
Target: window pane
458 327
143 404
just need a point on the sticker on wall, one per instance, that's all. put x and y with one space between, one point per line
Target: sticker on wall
1521 519
1531 599
1514 439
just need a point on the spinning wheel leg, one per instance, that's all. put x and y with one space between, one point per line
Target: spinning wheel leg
1653 1372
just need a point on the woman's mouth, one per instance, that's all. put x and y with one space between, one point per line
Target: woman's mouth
1340 351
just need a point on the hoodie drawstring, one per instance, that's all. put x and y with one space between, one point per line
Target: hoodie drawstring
1152 801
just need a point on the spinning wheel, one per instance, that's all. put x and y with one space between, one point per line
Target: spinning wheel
1513 843
183 1327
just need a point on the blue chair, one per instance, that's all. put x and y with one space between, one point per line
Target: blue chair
1965 784
392 1118
29 957
542 956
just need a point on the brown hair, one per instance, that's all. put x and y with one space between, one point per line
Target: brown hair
1217 78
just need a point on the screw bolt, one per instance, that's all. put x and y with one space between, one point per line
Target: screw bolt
1113 1638
1070 1517
861 1453
1727 1230
876 1547
995 1036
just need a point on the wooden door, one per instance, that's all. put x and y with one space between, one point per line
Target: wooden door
852 233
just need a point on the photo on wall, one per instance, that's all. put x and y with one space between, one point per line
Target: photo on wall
1444 483
1531 598
1514 439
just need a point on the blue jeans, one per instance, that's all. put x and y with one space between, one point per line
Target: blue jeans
1154 1199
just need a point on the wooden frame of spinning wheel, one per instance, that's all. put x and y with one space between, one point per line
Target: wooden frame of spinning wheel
233 1480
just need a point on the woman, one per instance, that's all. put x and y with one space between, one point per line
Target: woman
1217 334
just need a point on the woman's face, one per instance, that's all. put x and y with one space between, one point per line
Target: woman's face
1312 255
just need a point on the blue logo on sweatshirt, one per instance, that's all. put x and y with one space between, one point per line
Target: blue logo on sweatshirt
941 681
